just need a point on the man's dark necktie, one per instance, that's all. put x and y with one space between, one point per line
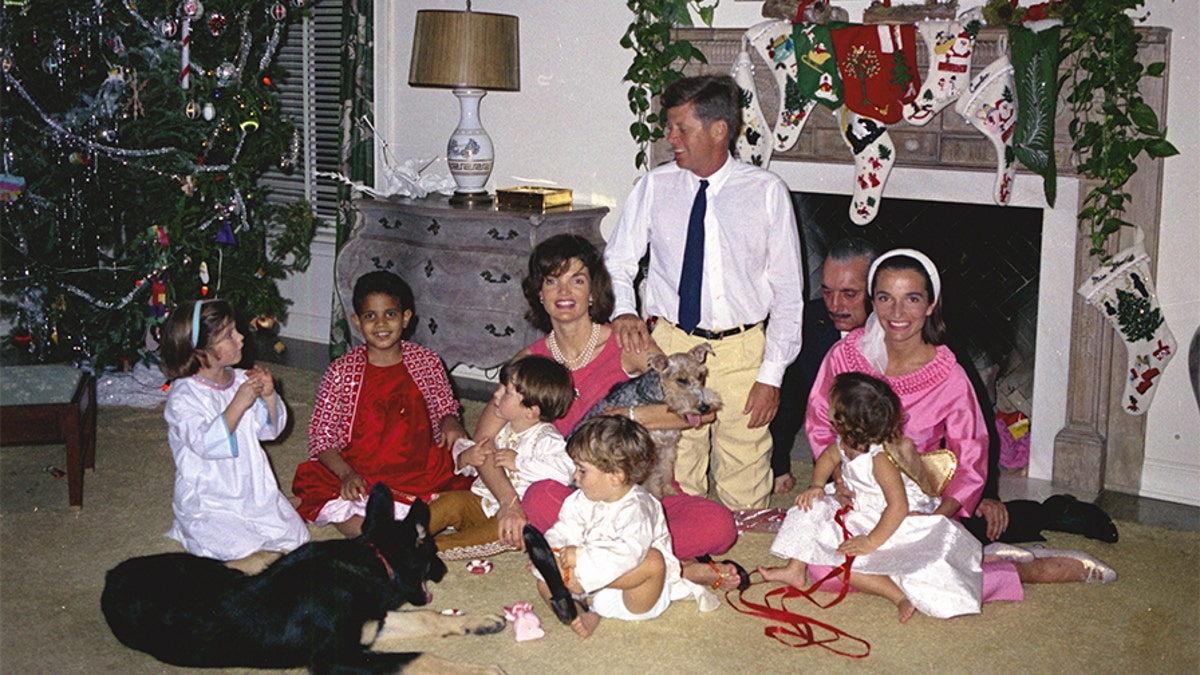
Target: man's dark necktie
692 277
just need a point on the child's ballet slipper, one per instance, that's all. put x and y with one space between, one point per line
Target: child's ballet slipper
1096 572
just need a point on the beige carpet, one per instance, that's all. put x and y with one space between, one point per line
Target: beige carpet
53 560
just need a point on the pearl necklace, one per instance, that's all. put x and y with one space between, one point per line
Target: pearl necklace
584 356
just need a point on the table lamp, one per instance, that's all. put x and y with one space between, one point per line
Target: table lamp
469 52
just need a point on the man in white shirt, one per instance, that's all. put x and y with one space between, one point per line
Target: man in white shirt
747 269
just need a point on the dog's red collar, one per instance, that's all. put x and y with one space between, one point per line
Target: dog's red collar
379 554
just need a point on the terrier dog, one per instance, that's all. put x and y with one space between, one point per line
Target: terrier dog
678 381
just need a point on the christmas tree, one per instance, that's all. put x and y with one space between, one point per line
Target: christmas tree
134 135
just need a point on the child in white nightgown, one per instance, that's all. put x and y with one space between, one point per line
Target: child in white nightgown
227 501
919 562
611 543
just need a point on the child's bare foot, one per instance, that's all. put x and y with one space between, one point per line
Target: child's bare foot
718 576
796 578
906 610
585 623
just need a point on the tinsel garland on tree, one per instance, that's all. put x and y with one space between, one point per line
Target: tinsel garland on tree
134 137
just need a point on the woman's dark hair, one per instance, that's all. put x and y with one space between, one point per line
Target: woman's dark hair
550 258
864 410
934 330
386 283
181 358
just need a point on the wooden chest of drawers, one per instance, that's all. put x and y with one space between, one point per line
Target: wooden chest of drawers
465 267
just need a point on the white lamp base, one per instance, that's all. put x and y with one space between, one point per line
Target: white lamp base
469 152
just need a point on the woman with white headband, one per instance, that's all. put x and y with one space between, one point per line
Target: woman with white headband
901 343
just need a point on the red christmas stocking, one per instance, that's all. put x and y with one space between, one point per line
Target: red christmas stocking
990 106
878 68
951 45
874 155
1123 290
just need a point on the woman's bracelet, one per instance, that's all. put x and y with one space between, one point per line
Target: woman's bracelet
631 417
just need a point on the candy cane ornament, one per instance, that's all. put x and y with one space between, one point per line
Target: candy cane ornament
187 42
191 10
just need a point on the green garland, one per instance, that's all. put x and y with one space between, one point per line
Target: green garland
658 60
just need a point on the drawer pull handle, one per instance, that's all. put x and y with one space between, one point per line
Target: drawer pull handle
495 234
428 268
433 326
395 224
434 227
491 328
492 279
380 266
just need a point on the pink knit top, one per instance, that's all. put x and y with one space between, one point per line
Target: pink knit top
592 381
938 401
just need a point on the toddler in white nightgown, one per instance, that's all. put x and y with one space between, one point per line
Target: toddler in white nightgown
920 562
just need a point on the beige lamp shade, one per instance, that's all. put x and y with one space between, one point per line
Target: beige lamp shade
465 50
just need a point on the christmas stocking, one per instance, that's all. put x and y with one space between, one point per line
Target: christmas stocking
874 155
773 41
817 70
951 45
1123 290
1035 69
878 68
990 107
754 141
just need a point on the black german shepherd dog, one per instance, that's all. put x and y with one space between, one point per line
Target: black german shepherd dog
320 606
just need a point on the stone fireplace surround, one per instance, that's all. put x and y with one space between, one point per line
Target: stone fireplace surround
1081 438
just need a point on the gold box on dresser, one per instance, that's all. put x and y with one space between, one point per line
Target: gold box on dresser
532 197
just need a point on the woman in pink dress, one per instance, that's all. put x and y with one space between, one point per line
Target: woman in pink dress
901 344
570 296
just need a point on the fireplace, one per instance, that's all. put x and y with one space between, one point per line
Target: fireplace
1043 389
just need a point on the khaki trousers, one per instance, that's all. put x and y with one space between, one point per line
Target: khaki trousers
462 510
738 458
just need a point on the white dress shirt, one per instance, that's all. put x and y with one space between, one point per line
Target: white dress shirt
751 254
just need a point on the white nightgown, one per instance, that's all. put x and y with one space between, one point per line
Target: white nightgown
933 559
227 501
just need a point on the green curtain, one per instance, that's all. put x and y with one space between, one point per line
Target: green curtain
357 158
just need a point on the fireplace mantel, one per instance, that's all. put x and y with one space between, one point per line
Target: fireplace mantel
1099 447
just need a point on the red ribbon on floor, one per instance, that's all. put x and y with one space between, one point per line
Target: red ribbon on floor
798 630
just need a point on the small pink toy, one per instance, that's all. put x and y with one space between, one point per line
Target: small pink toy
479 566
526 625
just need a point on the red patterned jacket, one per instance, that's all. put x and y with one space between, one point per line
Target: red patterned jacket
337 396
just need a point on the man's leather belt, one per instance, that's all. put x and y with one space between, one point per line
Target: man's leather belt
719 334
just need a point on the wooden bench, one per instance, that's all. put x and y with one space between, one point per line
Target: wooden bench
52 404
